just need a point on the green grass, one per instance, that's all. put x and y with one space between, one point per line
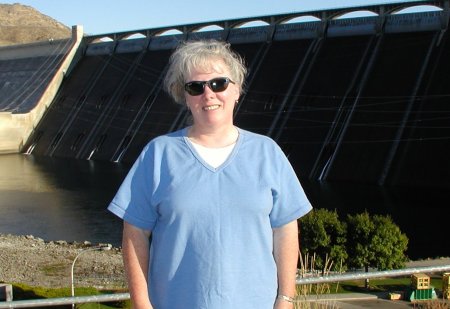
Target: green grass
24 292
124 305
54 269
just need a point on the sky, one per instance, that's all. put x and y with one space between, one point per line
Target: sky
107 16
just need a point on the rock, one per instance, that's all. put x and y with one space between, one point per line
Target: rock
28 260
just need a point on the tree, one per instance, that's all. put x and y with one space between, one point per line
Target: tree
375 242
323 234
389 244
360 229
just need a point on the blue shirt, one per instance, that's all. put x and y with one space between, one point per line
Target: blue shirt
211 227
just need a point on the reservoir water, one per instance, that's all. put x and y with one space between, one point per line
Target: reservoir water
66 199
59 199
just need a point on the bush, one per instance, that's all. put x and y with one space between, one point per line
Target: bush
323 234
362 241
375 241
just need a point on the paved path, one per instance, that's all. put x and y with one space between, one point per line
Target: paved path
361 300
429 262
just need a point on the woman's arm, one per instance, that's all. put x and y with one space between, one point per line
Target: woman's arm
135 248
286 248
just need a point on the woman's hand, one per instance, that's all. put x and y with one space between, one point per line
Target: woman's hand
282 304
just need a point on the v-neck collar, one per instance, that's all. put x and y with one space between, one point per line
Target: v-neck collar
203 162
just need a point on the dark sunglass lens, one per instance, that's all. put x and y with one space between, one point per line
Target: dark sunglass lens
194 88
218 84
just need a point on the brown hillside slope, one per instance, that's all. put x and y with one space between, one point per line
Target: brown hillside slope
20 24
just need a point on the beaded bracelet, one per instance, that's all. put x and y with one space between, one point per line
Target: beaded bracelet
286 298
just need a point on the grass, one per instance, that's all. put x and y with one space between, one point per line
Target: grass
54 269
123 305
24 292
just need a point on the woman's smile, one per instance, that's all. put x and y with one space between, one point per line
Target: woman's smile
211 107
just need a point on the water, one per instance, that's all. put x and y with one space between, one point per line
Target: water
59 199
66 199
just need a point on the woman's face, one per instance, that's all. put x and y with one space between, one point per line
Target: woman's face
212 109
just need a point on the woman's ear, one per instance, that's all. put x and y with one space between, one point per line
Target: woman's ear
237 93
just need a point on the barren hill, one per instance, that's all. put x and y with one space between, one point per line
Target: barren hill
21 24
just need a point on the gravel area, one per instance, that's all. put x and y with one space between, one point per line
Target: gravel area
33 261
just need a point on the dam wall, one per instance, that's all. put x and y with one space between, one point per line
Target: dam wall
361 100
30 77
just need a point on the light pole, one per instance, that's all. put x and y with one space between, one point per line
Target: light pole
105 247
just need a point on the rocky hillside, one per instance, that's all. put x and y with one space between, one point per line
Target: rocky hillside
21 24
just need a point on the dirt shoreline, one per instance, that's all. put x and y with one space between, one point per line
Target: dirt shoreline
36 262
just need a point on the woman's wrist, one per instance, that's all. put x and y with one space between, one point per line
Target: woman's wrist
286 298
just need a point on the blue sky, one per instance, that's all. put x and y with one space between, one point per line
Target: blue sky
106 16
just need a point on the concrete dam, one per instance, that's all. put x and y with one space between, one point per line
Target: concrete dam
364 100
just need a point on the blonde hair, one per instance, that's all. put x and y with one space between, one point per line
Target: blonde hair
201 55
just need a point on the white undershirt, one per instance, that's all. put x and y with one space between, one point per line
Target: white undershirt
213 156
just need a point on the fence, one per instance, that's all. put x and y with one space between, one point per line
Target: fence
311 280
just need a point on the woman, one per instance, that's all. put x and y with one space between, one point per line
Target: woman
220 203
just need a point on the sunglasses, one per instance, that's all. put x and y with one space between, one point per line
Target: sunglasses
217 84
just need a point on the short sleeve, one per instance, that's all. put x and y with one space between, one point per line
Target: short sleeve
289 199
133 200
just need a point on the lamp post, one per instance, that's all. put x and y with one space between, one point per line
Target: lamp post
103 247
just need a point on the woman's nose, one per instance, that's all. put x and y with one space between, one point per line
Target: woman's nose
207 90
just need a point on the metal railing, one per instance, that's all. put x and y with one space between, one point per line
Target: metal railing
47 302
374 274
300 281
